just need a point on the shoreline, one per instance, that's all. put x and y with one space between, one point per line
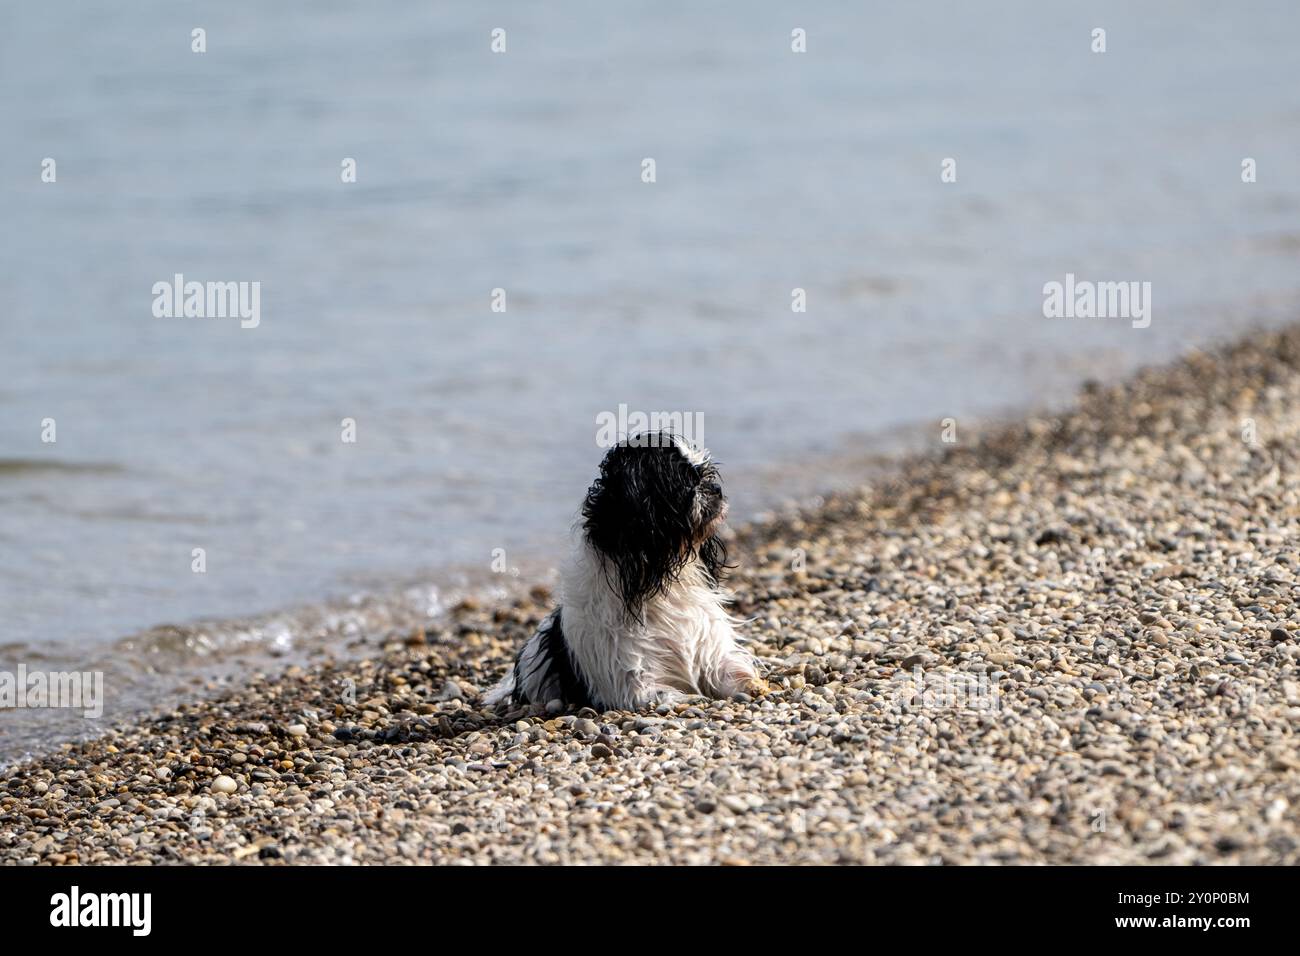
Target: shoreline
174 662
174 659
1072 640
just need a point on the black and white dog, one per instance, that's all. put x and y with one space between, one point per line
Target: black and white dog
641 617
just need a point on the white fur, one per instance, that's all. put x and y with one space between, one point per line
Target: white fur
502 690
685 643
696 456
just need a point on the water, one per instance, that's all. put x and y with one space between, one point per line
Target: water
476 430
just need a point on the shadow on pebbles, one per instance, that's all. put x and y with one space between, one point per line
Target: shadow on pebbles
1071 640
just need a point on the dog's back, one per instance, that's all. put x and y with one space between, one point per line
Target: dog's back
590 652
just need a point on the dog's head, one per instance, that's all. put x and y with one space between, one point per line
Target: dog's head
657 504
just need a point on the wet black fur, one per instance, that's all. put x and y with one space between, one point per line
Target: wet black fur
641 515
562 680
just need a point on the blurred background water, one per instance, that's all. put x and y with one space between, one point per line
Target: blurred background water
476 429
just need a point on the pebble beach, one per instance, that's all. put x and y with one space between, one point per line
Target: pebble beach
1070 640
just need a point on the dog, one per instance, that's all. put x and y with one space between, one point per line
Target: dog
642 616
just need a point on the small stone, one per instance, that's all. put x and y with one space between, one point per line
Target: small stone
224 784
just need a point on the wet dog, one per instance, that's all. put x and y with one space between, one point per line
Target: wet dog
642 616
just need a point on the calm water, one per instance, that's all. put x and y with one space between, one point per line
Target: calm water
476 429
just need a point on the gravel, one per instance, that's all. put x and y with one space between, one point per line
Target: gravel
1073 640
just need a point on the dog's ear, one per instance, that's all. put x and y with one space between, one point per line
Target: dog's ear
713 554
